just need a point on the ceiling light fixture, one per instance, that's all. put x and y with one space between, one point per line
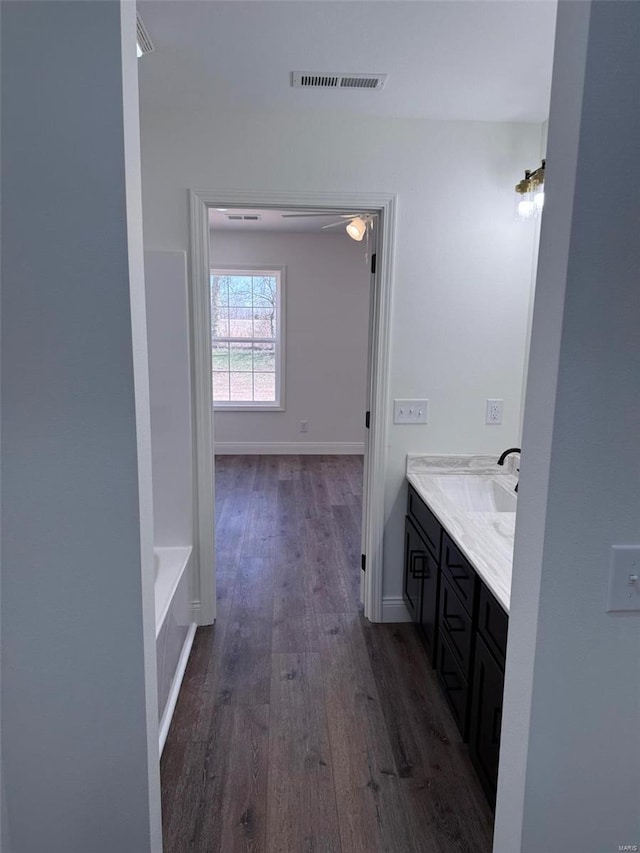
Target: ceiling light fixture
530 193
357 228
357 225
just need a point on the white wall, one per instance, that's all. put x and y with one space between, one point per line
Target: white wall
463 264
570 773
544 131
79 712
170 397
327 316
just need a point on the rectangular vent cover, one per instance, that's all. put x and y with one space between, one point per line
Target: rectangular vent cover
243 217
145 44
307 80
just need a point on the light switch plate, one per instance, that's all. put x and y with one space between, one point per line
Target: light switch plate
624 579
410 411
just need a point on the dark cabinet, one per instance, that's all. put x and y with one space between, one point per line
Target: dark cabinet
421 569
456 634
464 630
414 554
493 625
486 718
454 684
487 690
429 616
426 521
459 573
457 626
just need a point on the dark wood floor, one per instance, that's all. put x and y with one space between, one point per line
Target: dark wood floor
301 727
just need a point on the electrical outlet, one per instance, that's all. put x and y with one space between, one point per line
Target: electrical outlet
494 411
304 426
410 411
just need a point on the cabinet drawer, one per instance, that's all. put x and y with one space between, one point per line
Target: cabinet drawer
426 521
455 624
453 683
459 573
493 624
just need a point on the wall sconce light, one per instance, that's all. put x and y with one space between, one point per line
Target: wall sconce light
530 193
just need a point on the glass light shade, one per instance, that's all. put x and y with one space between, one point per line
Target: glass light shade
538 199
357 228
526 207
138 50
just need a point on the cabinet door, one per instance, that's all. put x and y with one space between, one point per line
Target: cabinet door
455 623
414 554
493 625
430 604
486 718
453 684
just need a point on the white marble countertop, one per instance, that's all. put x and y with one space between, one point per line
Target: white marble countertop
464 492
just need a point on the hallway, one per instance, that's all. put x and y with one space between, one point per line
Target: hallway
300 725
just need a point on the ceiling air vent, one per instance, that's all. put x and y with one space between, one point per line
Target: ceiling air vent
307 80
243 217
145 45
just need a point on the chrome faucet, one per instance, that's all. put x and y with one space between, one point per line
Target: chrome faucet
504 455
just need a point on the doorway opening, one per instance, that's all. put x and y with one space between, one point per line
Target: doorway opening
204 206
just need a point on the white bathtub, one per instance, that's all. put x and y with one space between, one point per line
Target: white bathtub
174 628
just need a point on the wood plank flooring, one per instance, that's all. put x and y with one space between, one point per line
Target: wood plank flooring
301 727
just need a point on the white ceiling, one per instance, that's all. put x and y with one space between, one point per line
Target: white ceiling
485 60
273 220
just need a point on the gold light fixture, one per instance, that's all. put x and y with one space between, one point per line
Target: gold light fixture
530 193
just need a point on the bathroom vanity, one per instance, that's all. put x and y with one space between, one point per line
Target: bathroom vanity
458 554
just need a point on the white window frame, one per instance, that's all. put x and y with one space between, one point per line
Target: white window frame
252 405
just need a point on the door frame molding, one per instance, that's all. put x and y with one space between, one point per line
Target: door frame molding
200 200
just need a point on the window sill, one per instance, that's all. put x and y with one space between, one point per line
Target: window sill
249 407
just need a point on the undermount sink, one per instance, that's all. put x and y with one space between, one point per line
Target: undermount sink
478 493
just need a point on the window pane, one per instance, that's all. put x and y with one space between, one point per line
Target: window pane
241 387
240 356
220 356
219 322
264 291
240 322
220 387
219 290
264 323
240 290
264 358
265 387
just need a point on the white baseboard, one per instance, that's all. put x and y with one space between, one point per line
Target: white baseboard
170 707
290 448
394 609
